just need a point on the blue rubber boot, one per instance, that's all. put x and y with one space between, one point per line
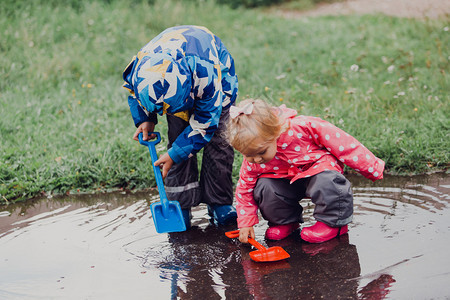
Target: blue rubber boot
187 216
223 214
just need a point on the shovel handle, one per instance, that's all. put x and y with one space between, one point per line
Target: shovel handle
235 234
256 244
154 157
151 142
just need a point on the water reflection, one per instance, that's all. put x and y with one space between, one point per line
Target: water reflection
314 271
378 288
95 246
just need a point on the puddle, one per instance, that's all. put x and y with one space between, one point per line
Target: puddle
106 247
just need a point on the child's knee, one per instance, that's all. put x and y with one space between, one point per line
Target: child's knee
332 195
329 184
264 189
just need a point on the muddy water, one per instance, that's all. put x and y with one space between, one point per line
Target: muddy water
106 247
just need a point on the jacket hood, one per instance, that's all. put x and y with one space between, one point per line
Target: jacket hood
160 81
285 112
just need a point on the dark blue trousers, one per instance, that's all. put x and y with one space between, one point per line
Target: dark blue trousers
215 186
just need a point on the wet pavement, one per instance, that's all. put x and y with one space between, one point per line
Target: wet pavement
106 247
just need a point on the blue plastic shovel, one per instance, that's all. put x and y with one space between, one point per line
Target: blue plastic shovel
167 215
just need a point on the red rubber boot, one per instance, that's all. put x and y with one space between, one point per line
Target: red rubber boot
279 232
321 232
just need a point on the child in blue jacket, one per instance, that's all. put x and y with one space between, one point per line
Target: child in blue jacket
187 74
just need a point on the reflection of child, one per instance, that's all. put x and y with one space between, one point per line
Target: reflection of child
289 157
187 74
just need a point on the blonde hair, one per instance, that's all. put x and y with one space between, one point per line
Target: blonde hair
263 122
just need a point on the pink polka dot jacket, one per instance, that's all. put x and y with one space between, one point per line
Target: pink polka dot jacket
309 146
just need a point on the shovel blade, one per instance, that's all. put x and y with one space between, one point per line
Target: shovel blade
232 234
168 220
269 254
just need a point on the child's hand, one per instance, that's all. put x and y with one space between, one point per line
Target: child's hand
246 232
145 128
165 162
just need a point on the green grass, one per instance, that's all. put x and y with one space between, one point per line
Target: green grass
65 124
302 4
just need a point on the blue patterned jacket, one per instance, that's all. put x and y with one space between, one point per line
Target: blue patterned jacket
185 71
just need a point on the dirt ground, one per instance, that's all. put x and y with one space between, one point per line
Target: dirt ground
421 9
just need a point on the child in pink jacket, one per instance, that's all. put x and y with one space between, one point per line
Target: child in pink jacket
289 157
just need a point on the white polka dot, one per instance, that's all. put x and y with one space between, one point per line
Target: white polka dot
357 170
303 123
299 135
250 190
315 167
313 125
310 137
291 133
248 168
316 136
242 212
355 158
239 195
295 160
276 168
341 148
250 179
306 157
307 176
284 146
332 164
368 156
289 161
370 170
263 166
343 160
352 145
297 148
327 137
338 135
329 149
317 156
375 174
276 157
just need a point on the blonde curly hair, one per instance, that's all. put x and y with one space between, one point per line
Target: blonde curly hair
263 123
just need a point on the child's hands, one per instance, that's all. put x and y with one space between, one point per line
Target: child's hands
145 128
246 232
165 162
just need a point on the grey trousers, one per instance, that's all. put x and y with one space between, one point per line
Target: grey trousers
330 191
215 186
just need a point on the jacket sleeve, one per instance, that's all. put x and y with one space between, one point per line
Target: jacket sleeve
247 209
205 118
229 78
346 148
138 114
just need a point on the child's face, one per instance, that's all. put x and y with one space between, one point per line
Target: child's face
264 152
